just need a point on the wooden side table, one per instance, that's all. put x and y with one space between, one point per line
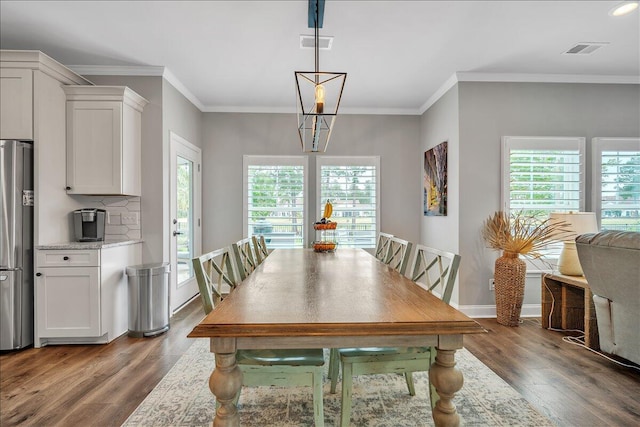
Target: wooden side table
573 307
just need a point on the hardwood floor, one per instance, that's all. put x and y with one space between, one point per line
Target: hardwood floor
569 384
90 385
100 385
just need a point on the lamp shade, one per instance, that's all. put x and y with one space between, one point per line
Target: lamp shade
576 223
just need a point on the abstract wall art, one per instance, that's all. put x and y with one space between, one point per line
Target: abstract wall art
435 180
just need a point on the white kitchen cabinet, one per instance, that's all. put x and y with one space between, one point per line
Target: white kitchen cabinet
104 127
81 295
68 302
16 104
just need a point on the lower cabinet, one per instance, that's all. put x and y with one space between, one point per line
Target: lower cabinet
81 294
68 302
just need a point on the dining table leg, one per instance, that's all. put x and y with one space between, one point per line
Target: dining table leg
225 383
447 380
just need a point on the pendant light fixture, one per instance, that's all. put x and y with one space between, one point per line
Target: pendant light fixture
318 93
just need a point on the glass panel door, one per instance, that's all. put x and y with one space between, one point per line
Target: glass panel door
185 230
184 218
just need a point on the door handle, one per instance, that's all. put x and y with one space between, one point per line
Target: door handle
175 233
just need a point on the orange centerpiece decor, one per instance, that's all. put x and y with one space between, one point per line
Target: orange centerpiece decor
324 244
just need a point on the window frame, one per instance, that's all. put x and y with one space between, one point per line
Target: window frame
598 145
350 161
274 160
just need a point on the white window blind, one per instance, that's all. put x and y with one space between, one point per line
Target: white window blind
352 184
275 204
543 175
616 182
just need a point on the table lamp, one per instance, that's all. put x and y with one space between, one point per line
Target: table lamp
577 223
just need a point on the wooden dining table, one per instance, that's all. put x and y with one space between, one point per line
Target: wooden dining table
298 298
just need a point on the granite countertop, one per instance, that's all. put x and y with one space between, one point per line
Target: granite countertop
89 245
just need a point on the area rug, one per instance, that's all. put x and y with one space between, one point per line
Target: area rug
182 398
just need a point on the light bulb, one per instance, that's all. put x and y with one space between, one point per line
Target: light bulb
319 99
624 8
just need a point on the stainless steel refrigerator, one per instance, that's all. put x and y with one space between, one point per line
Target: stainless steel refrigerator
16 244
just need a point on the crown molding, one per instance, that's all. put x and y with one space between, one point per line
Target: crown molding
173 80
117 70
439 93
292 110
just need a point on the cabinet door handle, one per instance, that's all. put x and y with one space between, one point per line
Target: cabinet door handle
68 188
175 233
38 274
66 258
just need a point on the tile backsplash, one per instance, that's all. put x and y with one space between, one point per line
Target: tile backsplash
123 220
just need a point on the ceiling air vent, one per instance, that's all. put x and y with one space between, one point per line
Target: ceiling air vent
585 48
308 42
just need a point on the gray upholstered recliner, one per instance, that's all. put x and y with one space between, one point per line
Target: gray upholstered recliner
611 264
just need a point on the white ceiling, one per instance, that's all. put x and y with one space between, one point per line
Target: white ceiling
241 55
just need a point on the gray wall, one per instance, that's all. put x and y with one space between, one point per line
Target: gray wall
229 136
489 111
438 124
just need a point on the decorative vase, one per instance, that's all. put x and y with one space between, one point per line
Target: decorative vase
509 279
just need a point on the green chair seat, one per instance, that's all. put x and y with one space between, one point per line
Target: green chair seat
275 357
380 351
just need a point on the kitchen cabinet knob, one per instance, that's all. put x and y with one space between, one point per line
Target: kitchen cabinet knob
68 188
38 274
66 258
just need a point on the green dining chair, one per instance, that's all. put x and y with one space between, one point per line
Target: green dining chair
434 270
243 253
398 254
214 274
283 368
382 246
260 248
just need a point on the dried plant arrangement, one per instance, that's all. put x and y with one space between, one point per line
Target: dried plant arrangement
522 234
515 235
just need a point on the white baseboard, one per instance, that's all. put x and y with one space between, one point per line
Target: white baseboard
484 311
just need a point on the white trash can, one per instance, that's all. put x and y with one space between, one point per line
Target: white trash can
148 299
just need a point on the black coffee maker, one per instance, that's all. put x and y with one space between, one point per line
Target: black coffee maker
88 224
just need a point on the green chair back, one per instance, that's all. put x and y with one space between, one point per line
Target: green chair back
436 269
243 253
382 246
398 254
260 248
213 271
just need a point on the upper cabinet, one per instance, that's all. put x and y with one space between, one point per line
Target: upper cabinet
16 104
103 140
26 79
